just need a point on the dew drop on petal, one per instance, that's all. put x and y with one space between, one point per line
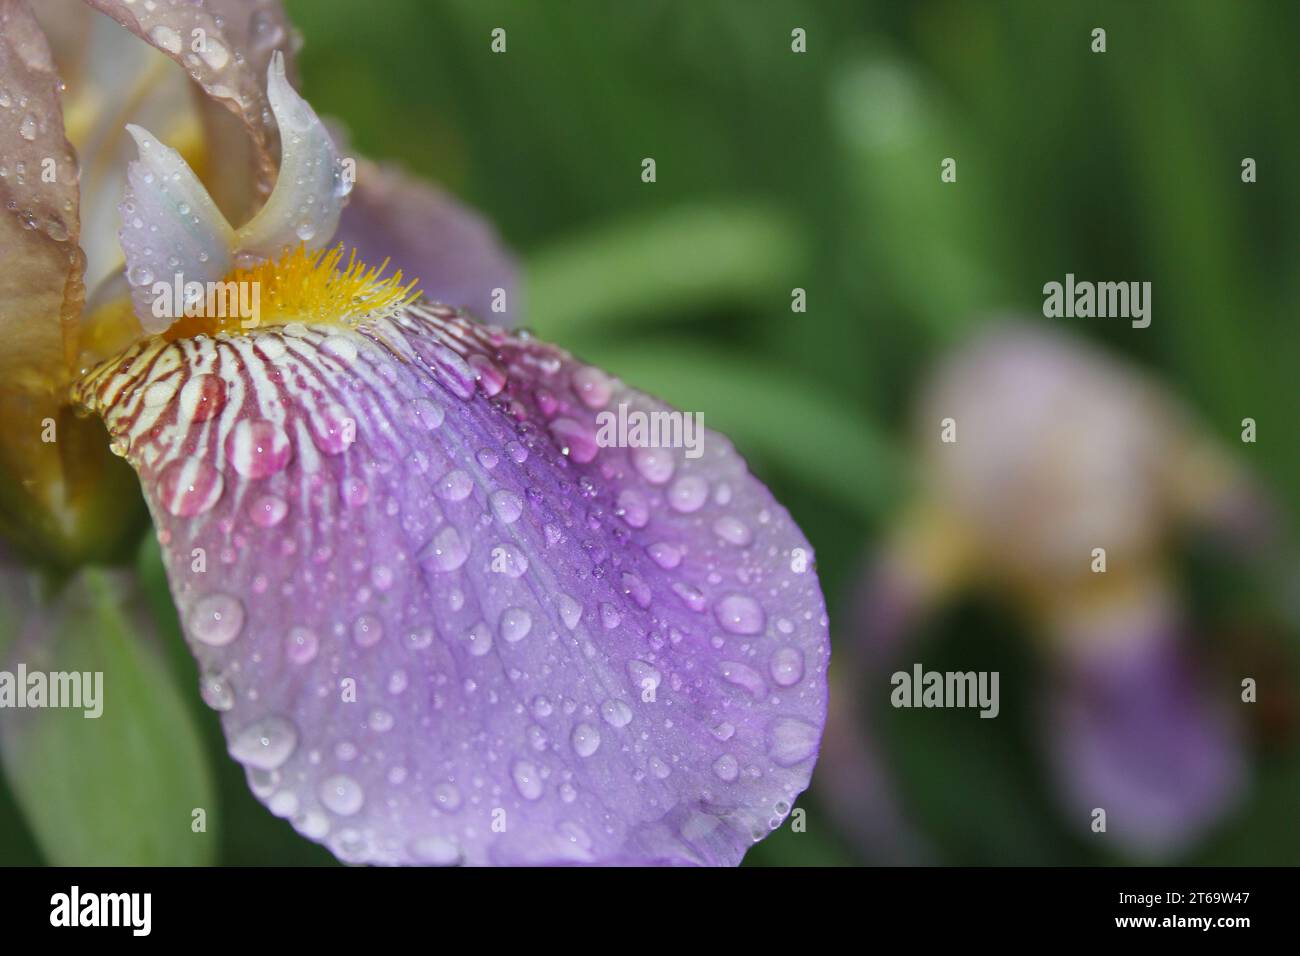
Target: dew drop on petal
367 630
301 645
740 614
455 486
202 398
268 511
506 505
791 741
786 666
688 493
189 486
527 780
515 624
726 768
585 739
342 795
570 611
258 448
655 465
616 713
266 744
447 550
216 620
732 530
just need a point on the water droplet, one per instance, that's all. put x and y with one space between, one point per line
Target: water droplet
27 128
367 630
732 530
479 639
301 645
506 505
447 550
570 611
726 768
585 739
258 448
167 38
786 666
216 620
268 511
740 614
655 465
515 624
616 713
575 439
454 486
688 493
667 556
266 744
447 797
202 397
609 616
217 692
160 393
341 347
354 491
527 780
791 741
436 851
342 795
189 486
644 676
425 413
592 386
333 429
742 675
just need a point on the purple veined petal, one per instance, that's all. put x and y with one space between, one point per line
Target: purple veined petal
1135 731
430 235
448 626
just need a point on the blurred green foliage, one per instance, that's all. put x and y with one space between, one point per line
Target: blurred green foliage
821 171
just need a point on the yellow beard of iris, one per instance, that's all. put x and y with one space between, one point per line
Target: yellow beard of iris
308 287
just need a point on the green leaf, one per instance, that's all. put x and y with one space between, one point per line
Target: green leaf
770 412
121 788
687 259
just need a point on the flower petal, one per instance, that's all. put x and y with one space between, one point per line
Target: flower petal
445 624
1136 732
225 46
41 283
429 235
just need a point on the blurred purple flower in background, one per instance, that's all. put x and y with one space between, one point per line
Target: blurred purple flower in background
1060 450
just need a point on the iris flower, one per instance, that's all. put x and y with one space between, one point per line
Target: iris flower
442 622
1061 450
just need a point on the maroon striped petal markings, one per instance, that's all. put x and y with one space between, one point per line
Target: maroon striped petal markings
445 622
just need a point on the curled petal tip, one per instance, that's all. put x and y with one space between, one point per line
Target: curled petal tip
305 205
171 231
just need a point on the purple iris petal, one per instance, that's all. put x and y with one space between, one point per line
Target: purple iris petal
1135 732
428 234
443 624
